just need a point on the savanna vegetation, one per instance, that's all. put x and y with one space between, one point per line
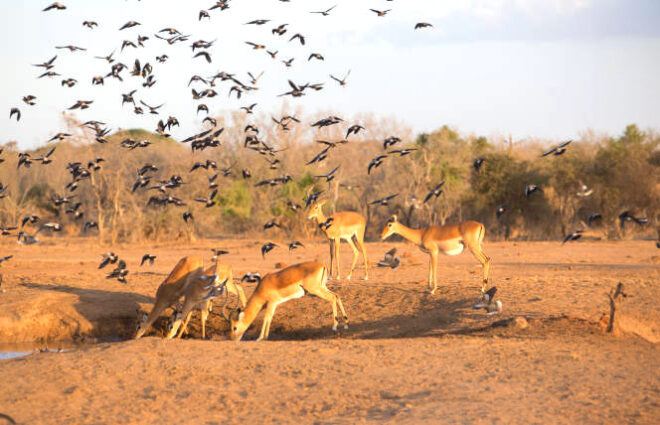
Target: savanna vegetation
621 172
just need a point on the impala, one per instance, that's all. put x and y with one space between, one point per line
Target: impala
170 291
347 225
279 287
195 294
450 239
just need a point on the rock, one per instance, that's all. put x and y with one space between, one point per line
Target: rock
520 322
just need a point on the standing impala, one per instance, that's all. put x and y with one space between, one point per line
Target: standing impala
346 225
279 287
450 239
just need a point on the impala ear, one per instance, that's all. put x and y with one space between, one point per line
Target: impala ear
321 203
241 315
393 219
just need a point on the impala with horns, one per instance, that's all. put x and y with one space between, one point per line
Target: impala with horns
281 286
450 239
196 297
346 225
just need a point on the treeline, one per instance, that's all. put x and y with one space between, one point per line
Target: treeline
597 174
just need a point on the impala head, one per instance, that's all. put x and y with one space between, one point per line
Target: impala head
237 327
390 228
315 210
140 327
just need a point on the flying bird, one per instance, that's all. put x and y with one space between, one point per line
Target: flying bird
56 5
422 25
436 191
147 257
266 248
558 150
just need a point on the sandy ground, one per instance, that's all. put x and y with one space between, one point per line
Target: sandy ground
408 357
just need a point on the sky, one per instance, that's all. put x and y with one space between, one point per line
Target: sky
530 68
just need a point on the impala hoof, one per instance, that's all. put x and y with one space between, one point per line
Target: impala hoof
366 278
348 277
334 328
345 326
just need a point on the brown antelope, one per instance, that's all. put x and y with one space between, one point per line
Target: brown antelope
450 239
170 291
195 298
279 287
346 225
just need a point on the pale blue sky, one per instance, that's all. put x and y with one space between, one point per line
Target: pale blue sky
533 68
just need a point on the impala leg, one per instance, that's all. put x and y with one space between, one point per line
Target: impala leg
356 254
332 255
205 314
337 243
333 299
430 281
159 307
268 317
183 324
434 270
359 241
481 256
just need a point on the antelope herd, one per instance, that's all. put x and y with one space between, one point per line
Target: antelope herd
198 286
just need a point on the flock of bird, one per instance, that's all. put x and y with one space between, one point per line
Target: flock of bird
211 137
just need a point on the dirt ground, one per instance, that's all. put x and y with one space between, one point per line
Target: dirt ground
408 357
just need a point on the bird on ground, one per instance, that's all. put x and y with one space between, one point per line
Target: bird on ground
390 259
436 191
72 48
147 257
120 272
266 248
326 224
251 277
257 22
573 236
295 245
488 303
558 150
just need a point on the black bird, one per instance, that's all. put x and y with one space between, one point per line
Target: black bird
251 277
6 229
391 141
280 30
300 37
402 152
120 272
203 14
129 24
376 162
380 12
422 25
30 100
108 258
81 104
248 109
390 259
217 253
488 303
436 191
48 64
328 176
326 224
205 55
573 236
501 209
317 56
56 5
478 163
31 218
294 245
355 129
266 248
89 225
627 216
128 97
209 202
558 150
45 159
69 82
384 201
147 257
325 12
593 217
188 216
531 188
342 82
258 22
90 24
15 111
